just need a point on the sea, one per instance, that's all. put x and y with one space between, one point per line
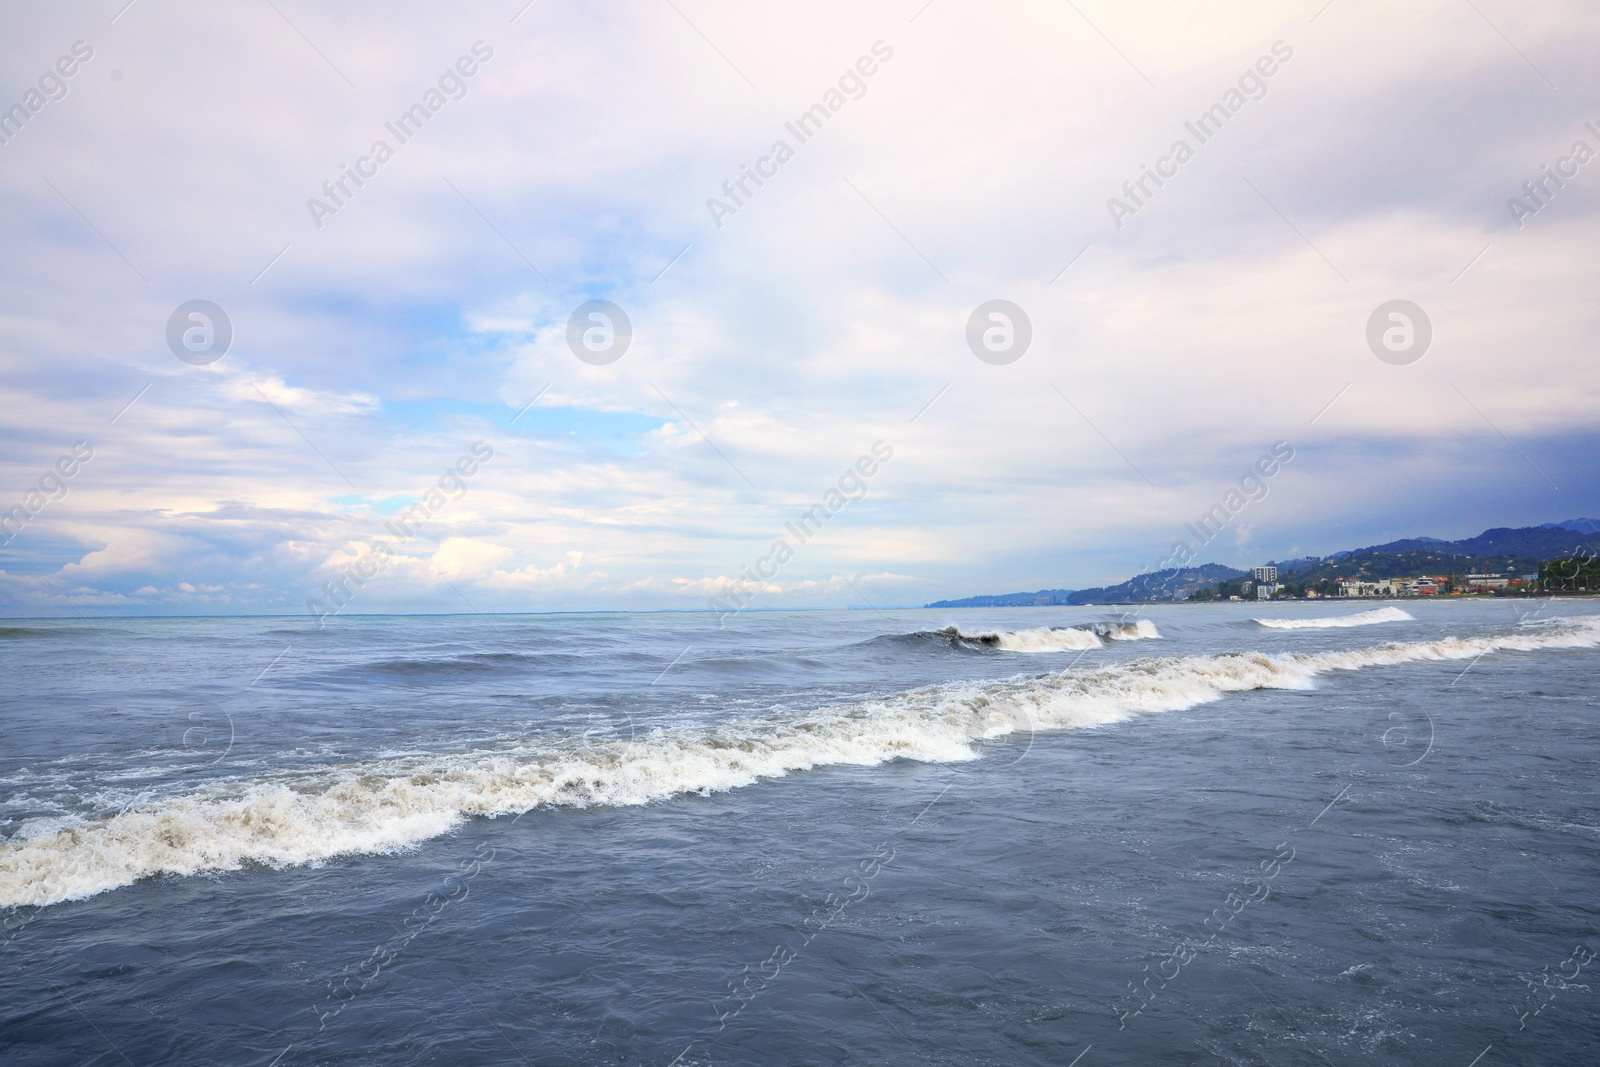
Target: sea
1237 833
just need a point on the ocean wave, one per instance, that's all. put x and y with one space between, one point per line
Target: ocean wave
464 663
437 670
379 806
45 631
1360 618
1056 639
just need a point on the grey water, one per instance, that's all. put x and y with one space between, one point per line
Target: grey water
805 837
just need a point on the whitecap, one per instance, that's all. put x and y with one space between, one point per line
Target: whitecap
1333 622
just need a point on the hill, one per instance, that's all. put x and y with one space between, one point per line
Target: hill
1156 585
1532 542
1502 550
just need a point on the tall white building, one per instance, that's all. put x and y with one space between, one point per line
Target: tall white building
1266 574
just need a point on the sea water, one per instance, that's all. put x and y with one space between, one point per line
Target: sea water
1236 833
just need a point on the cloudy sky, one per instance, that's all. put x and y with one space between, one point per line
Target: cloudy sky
382 329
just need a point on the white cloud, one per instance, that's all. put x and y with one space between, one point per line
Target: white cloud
302 401
532 577
420 318
469 557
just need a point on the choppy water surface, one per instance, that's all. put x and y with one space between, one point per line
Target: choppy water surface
1222 833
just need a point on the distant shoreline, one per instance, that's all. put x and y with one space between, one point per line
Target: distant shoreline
1246 600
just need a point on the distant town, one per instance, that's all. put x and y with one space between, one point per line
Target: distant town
1266 586
1561 558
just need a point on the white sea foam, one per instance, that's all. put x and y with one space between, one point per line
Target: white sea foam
1333 622
386 805
1043 639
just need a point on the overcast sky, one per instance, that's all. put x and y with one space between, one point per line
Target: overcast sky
381 330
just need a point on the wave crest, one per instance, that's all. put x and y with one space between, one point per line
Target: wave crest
1360 618
1059 639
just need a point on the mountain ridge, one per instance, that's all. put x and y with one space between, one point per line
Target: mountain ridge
1500 547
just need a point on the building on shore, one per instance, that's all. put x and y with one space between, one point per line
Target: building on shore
1437 585
1427 585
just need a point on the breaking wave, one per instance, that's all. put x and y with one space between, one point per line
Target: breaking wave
1360 618
1060 639
386 805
